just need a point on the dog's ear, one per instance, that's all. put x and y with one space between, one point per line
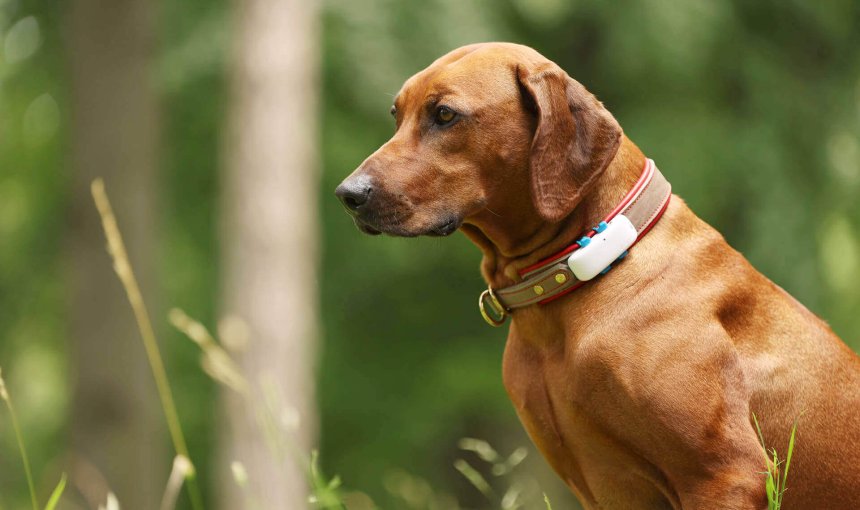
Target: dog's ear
575 139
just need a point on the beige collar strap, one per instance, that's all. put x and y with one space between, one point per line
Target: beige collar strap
593 254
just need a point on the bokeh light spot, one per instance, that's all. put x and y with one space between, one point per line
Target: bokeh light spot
22 40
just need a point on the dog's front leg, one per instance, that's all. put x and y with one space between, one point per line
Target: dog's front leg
725 469
736 488
698 433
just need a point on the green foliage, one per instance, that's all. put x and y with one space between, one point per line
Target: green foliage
325 493
57 494
751 109
776 475
19 438
25 459
218 363
513 491
32 201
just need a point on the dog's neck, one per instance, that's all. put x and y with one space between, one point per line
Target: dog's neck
517 237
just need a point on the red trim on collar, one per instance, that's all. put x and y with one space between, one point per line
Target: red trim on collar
641 235
647 172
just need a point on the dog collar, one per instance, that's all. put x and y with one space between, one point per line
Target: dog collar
593 254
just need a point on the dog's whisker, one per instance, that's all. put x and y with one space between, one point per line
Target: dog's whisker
493 212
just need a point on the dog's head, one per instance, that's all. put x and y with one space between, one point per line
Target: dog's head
484 125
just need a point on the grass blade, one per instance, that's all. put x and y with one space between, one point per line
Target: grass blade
761 439
788 459
4 395
181 470
475 478
57 494
122 267
777 471
111 504
546 500
775 477
771 490
481 448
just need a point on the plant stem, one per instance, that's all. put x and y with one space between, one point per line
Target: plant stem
123 269
24 458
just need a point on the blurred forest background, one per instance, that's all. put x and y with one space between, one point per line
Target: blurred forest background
221 129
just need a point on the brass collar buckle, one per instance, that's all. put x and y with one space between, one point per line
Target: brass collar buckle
491 308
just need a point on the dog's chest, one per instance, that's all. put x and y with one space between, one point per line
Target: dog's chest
557 400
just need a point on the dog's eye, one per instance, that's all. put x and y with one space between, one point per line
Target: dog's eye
444 115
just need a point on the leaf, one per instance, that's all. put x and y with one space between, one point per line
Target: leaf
775 478
788 459
761 438
475 478
57 494
334 483
111 504
546 500
771 497
481 448
314 465
511 499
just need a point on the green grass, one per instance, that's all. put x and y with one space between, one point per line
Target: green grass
19 438
57 494
776 470
4 394
123 269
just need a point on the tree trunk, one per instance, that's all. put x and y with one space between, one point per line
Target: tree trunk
116 424
270 237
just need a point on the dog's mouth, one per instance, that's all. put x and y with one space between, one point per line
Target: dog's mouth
445 227
365 228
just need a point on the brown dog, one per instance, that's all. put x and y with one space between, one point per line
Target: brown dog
638 387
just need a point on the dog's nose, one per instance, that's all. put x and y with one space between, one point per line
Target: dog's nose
354 193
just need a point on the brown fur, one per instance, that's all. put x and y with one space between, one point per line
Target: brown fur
638 388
